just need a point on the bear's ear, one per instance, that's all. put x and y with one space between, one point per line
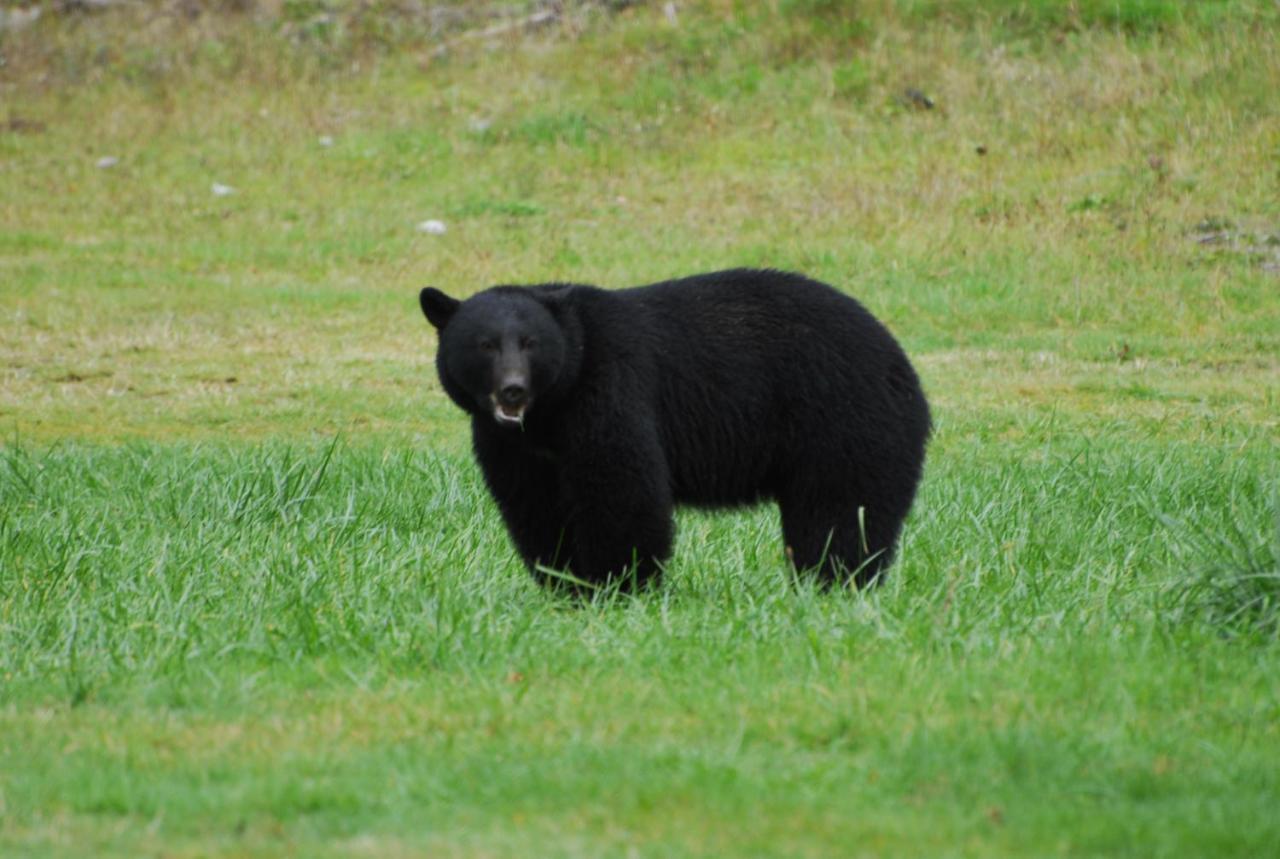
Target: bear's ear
437 307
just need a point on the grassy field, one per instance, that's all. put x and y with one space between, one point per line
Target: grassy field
255 602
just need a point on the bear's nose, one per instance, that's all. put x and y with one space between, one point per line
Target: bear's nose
512 395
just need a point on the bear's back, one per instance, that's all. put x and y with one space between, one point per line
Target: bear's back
745 366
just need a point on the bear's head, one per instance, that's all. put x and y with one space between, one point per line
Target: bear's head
501 351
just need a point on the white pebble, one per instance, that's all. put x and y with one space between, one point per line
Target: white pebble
106 162
433 227
220 190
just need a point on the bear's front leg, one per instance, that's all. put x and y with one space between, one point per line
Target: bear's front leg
621 508
527 491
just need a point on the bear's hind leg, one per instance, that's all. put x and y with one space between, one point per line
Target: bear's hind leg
839 541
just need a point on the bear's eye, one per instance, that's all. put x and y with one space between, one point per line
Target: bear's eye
527 342
488 345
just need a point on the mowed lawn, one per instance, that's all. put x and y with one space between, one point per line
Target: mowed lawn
254 600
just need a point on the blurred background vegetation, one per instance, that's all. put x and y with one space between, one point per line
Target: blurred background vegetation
82 41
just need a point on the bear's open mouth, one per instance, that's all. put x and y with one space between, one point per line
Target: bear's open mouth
509 415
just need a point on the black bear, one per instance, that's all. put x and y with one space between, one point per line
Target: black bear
594 412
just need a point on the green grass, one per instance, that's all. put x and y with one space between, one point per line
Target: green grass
247 648
254 600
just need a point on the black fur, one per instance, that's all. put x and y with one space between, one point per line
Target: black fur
717 390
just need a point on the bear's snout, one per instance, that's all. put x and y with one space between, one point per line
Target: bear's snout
510 400
512 394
